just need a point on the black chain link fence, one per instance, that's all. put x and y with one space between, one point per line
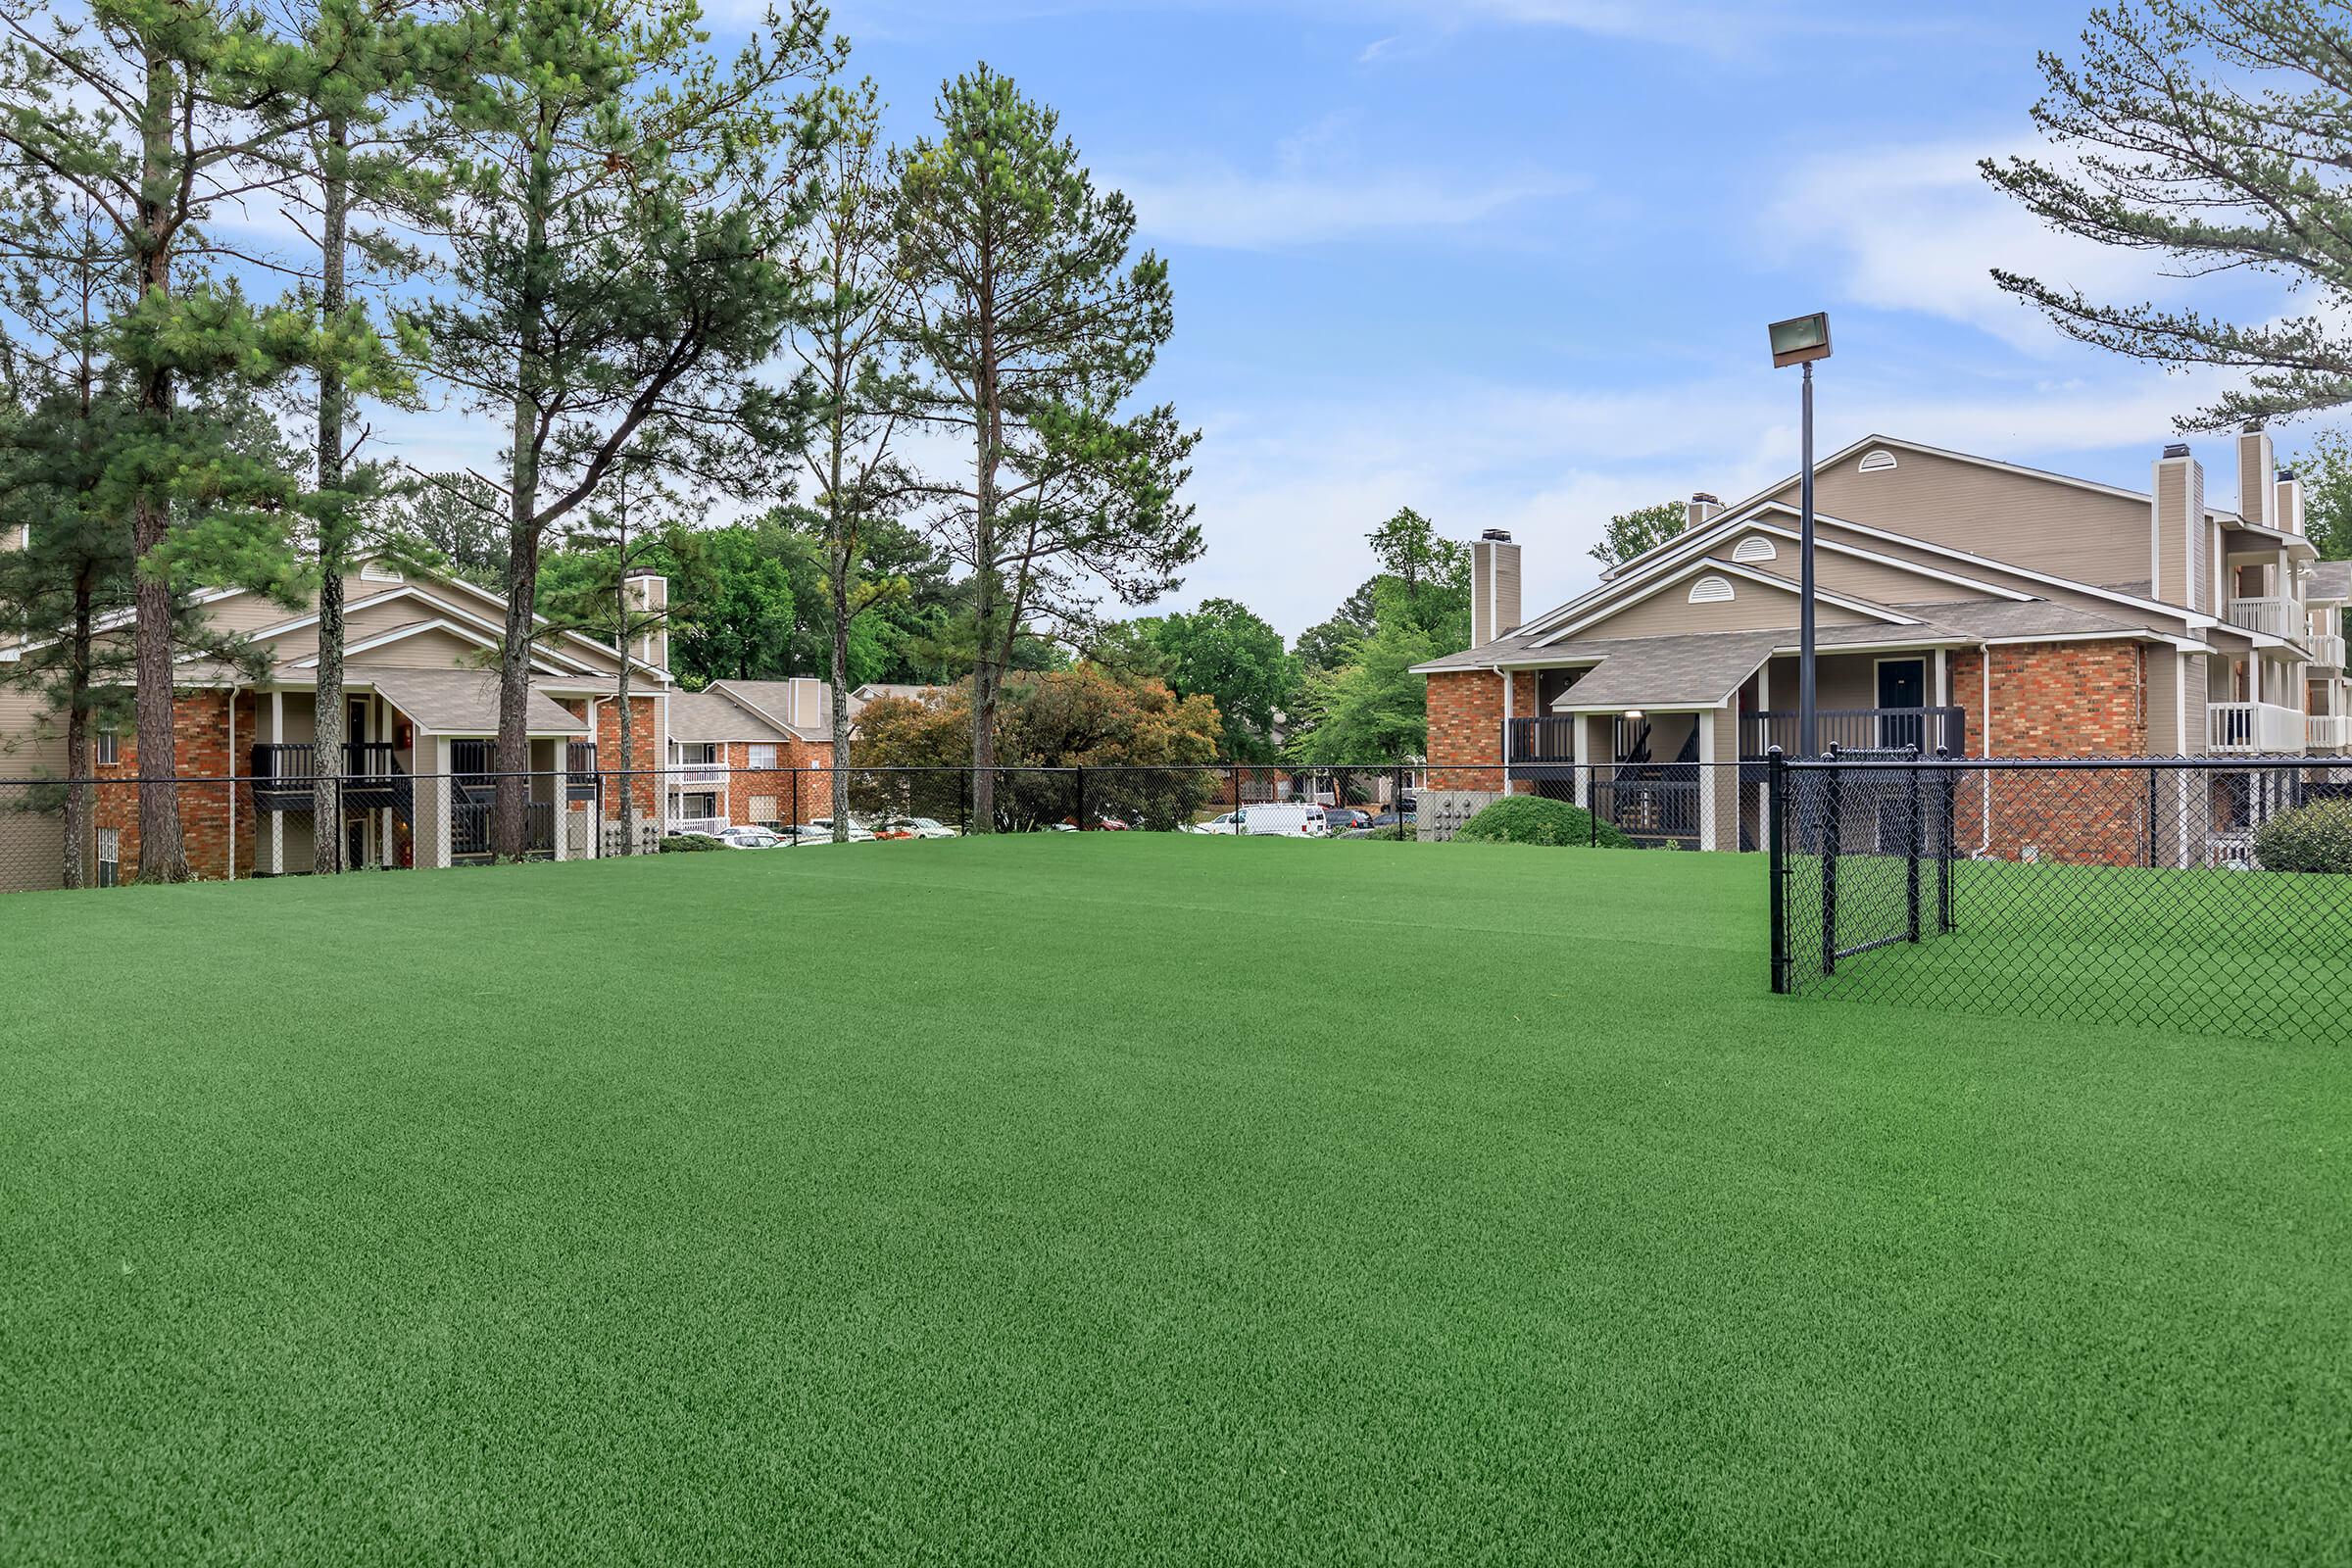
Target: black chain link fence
2203 894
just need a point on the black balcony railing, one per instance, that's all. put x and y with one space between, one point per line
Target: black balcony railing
1854 729
283 775
1540 747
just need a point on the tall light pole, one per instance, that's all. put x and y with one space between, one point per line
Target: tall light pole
1801 340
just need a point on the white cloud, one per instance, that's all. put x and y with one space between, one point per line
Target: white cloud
1917 227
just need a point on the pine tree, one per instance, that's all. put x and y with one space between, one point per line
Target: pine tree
1034 331
858 405
624 267
2208 134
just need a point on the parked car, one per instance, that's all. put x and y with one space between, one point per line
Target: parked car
747 838
1230 822
860 833
1292 820
913 828
1346 818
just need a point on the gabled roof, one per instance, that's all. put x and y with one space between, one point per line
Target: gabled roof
2330 579
1707 566
710 717
460 702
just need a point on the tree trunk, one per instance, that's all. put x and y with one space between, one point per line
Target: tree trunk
163 856
840 693
335 541
510 822
986 676
628 724
78 735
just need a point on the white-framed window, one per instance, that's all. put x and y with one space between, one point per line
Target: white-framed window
110 856
762 810
105 749
1711 591
1755 547
764 757
1878 459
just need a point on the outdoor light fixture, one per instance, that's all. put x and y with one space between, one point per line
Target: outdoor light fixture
1801 340
1634 714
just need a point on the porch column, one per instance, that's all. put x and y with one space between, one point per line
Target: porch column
560 807
1587 758
270 847
432 796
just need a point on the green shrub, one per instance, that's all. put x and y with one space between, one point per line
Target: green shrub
2312 838
1532 819
688 843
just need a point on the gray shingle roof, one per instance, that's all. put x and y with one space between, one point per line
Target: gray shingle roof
460 702
707 717
1699 669
2332 579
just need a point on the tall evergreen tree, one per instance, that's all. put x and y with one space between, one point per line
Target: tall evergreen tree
624 267
860 404
156 112
2208 134
1034 331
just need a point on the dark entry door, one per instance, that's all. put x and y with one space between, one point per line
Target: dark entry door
1902 687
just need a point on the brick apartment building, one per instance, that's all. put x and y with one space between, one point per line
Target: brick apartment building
1964 604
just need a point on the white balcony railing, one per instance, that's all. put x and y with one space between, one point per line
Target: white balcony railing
697 824
2327 650
2280 617
2263 728
697 776
2328 732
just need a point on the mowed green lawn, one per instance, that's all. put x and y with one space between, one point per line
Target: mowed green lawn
1127 1199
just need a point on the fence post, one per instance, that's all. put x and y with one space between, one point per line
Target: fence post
1832 792
1080 817
1776 795
1948 843
1911 848
1593 811
2151 818
796 805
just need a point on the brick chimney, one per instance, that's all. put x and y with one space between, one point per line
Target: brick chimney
1700 506
2255 464
2181 562
647 592
2287 500
1493 587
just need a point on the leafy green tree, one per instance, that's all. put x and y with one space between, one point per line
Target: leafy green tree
1034 332
626 265
154 112
457 521
2208 134
2326 472
1224 652
1638 532
1431 576
1375 709
1330 644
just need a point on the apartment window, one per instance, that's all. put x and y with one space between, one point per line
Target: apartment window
1755 547
110 856
1710 591
108 749
1879 461
764 757
763 810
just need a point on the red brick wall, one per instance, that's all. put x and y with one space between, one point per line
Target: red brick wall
1465 726
645 732
804 765
2056 700
200 732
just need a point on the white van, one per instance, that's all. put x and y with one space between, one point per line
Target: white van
1290 819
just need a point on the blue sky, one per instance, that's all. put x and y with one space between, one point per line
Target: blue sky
1510 262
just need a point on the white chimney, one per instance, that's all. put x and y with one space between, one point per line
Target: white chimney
2255 464
811 708
2179 560
1493 587
1699 509
645 592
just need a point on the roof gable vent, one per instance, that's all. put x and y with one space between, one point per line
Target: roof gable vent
1711 591
1878 459
1755 547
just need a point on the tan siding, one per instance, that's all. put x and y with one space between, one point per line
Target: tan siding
1865 579
1753 606
2033 521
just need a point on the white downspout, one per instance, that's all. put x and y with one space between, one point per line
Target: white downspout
1984 726
232 783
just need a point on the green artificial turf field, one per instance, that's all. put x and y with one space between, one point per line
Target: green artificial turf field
1126 1199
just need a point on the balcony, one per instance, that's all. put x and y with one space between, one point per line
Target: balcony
2327 650
695 824
2280 617
1856 729
697 777
2262 729
1541 747
2328 732
283 775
